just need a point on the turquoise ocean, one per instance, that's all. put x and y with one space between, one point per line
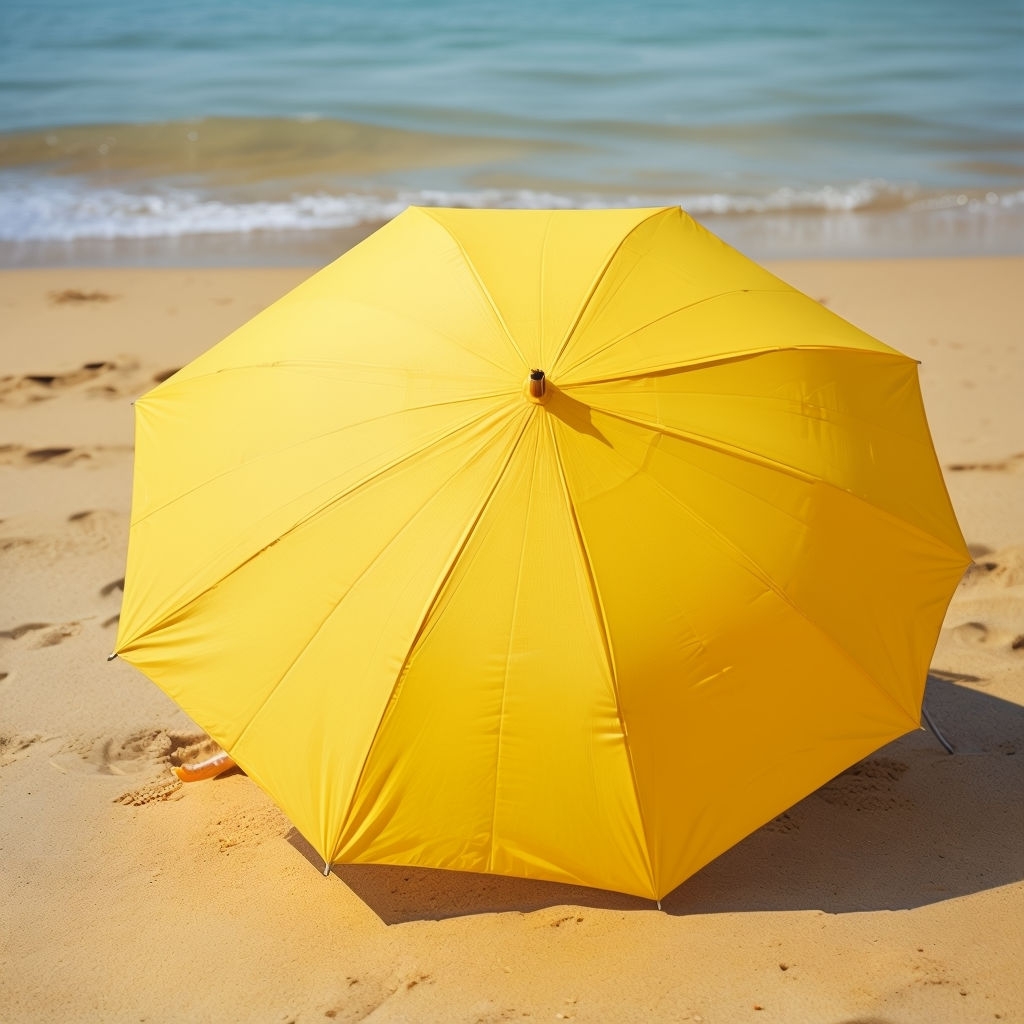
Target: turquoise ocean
133 131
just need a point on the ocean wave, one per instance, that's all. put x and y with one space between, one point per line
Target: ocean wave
67 210
45 212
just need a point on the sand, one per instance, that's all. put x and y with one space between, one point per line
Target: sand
894 894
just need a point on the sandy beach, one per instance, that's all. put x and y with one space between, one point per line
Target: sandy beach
893 895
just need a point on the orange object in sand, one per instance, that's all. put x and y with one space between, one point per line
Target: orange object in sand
207 769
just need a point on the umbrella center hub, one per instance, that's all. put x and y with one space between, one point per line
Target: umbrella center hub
536 387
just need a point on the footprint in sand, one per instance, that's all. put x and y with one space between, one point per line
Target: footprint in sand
971 633
13 747
85 533
783 823
42 634
38 387
979 634
62 455
185 748
10 543
249 826
364 996
94 525
76 296
1009 464
13 454
1004 568
53 637
17 632
157 791
122 377
132 753
113 755
871 785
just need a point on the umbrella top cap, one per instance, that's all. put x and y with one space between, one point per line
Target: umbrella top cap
536 387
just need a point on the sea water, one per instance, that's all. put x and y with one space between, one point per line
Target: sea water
254 131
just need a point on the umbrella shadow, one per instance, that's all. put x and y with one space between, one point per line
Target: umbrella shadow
909 826
575 414
401 894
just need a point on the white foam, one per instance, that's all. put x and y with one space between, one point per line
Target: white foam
69 209
51 211
990 202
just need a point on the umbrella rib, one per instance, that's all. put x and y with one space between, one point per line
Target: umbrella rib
504 682
745 562
789 406
665 316
397 314
321 436
746 455
297 365
435 596
348 590
703 363
588 298
741 355
606 642
319 510
483 288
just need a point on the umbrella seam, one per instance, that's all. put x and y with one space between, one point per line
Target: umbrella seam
785 406
480 284
173 383
600 276
746 455
746 562
327 433
316 633
665 316
421 631
736 357
602 624
504 684
395 313
308 517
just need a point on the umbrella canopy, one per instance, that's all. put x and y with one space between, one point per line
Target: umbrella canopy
593 627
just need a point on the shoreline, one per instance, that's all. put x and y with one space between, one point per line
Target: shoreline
895 892
949 232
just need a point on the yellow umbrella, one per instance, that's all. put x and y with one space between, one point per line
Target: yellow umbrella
592 623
